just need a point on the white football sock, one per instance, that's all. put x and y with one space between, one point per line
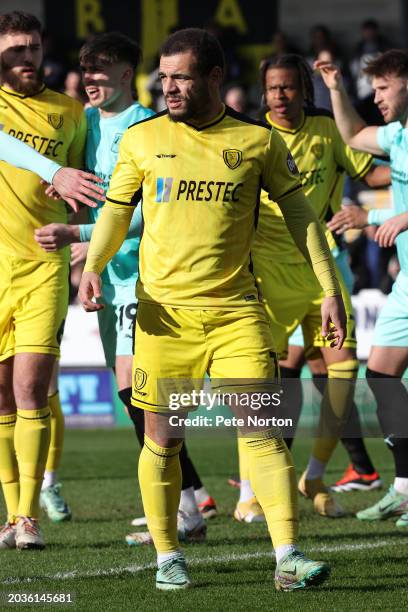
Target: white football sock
401 485
315 469
201 495
188 502
281 551
245 491
50 478
163 557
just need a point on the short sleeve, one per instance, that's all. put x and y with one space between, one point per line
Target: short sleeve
280 176
386 135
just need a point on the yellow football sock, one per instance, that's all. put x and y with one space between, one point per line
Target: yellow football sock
56 433
335 408
243 459
273 480
160 484
9 475
31 439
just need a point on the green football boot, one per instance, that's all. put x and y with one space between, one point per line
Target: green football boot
54 505
392 504
295 571
172 575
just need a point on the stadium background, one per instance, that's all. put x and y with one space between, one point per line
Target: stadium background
87 389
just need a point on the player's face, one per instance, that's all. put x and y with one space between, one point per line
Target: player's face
187 93
391 97
21 59
104 83
283 95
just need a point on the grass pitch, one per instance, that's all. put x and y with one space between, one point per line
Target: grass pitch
233 570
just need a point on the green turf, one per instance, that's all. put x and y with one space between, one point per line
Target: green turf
98 474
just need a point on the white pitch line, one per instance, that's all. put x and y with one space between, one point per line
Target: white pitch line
135 569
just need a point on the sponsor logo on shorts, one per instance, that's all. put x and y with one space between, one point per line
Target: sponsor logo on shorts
139 381
232 158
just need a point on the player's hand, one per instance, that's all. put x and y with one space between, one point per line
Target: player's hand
331 74
90 288
79 251
334 321
50 191
388 231
349 217
76 185
56 235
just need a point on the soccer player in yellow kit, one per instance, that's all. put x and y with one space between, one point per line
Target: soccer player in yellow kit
198 167
33 284
291 294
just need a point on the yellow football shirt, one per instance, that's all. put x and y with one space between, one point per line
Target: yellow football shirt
322 158
54 125
200 190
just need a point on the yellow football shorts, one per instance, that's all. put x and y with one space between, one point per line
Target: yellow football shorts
175 348
292 295
33 305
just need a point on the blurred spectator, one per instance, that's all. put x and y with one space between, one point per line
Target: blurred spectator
282 44
53 64
73 86
321 92
235 96
321 39
372 43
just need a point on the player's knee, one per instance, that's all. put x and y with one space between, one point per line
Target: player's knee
31 392
6 399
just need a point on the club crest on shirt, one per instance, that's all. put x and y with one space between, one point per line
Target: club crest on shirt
232 158
139 379
55 120
317 150
116 141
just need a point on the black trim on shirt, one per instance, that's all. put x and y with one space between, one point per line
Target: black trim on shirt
245 118
121 203
156 116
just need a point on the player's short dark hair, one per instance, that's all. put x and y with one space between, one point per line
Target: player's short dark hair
111 47
393 62
19 21
295 61
203 45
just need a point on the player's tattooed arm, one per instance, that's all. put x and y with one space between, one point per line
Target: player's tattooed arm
388 231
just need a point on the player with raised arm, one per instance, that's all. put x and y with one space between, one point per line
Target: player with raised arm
34 284
388 358
198 167
108 63
288 286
